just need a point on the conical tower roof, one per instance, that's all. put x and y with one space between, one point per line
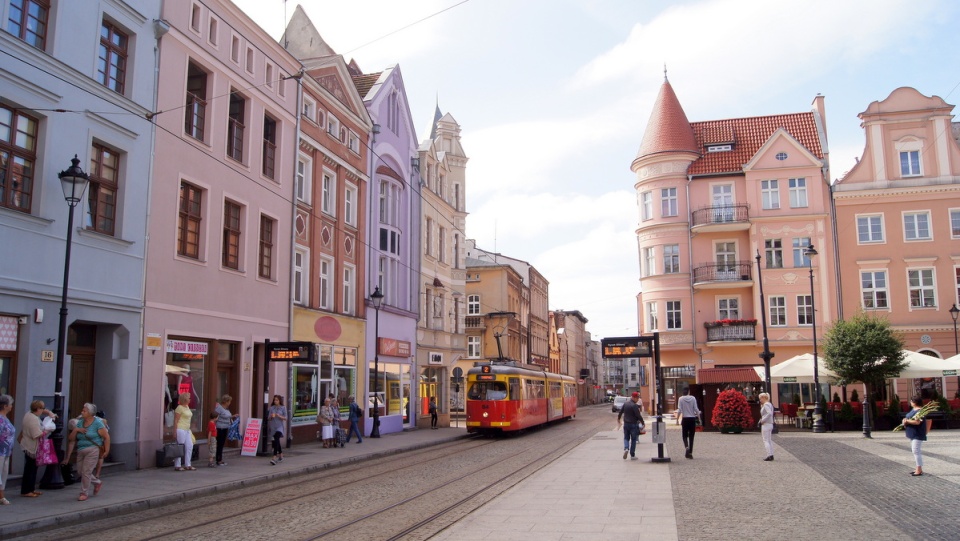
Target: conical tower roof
668 129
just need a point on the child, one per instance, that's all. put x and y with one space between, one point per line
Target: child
212 440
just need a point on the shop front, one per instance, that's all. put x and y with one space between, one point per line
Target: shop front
390 385
204 371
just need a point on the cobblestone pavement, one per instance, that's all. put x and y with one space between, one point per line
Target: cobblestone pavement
820 486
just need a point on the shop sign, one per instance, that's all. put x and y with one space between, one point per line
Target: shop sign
393 348
154 341
183 346
251 437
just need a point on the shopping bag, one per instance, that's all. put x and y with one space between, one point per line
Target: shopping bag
45 452
233 433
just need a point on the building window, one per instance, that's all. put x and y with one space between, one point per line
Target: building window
646 206
328 190
268 75
778 311
28 21
671 258
442 245
389 211
112 63
910 163
873 289
916 226
235 49
804 310
195 18
428 231
104 183
212 30
267 227
473 347
333 126
798 192
235 127
456 251
249 63
326 279
921 286
800 245
348 289
194 120
18 147
870 229
350 205
674 321
668 202
955 224
726 256
652 316
728 308
188 226
231 235
309 109
773 249
770 194
269 146
473 305
301 270
353 143
649 260
304 179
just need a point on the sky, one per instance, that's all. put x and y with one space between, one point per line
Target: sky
553 97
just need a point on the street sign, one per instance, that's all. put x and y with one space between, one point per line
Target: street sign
626 347
789 379
458 373
949 372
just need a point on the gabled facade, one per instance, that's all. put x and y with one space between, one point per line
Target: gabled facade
712 196
332 190
898 227
441 341
493 326
56 103
221 212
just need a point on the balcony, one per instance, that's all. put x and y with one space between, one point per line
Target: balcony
721 275
474 322
721 218
718 331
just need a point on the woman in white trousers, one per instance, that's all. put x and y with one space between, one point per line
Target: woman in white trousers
766 424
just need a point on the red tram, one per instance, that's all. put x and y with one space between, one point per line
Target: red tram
505 396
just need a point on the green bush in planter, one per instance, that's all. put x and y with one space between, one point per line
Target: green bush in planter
893 408
836 397
854 397
796 400
846 412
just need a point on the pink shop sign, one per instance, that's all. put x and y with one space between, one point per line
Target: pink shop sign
182 346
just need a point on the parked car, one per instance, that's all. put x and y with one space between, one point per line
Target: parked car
618 403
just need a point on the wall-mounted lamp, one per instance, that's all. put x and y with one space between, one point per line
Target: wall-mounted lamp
415 163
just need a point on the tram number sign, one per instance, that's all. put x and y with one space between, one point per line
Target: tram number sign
486 377
632 346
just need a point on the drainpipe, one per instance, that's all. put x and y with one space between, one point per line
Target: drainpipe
693 311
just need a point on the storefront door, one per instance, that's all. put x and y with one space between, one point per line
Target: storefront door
81 383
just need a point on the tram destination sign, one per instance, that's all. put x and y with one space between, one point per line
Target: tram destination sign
630 346
298 352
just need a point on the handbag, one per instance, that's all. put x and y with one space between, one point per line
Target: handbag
168 417
173 450
45 452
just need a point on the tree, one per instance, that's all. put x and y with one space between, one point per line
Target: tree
864 349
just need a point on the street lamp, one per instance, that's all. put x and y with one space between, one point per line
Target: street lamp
954 313
377 299
766 355
74 182
818 427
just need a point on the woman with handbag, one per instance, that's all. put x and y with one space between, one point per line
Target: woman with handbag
7 433
183 417
92 442
224 420
326 424
30 433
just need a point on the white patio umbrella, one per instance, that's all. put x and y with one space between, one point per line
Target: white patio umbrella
925 366
799 369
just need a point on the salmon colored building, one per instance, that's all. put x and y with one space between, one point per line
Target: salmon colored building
898 227
713 196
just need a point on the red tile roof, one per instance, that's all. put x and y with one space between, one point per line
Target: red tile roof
727 375
747 135
365 82
668 129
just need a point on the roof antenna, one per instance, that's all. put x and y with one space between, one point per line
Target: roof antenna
665 73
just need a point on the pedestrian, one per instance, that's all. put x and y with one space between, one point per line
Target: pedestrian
7 436
326 424
103 418
433 413
689 413
30 434
182 420
355 413
224 420
276 424
93 442
766 424
632 421
916 428
212 440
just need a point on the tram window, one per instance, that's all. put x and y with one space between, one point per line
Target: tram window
488 390
514 388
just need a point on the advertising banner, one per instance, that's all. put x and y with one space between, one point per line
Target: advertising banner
251 437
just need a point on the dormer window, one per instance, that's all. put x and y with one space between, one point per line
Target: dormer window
719 148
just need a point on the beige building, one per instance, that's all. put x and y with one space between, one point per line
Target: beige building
441 341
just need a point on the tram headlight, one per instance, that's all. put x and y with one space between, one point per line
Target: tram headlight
485 415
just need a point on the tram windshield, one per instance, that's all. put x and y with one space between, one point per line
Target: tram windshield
487 390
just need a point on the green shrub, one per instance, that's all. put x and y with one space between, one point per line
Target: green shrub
796 399
836 397
893 408
846 412
854 397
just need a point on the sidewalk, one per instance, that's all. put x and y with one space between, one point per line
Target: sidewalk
127 491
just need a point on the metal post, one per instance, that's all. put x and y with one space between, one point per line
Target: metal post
818 426
661 397
377 297
955 313
766 355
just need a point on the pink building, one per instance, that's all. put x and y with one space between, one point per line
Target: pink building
898 227
714 196
220 214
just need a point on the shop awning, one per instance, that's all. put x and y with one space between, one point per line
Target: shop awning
727 375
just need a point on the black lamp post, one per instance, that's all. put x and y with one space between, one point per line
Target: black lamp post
74 182
955 313
818 426
766 354
377 299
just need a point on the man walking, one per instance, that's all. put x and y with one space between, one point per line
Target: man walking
632 421
688 423
354 415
